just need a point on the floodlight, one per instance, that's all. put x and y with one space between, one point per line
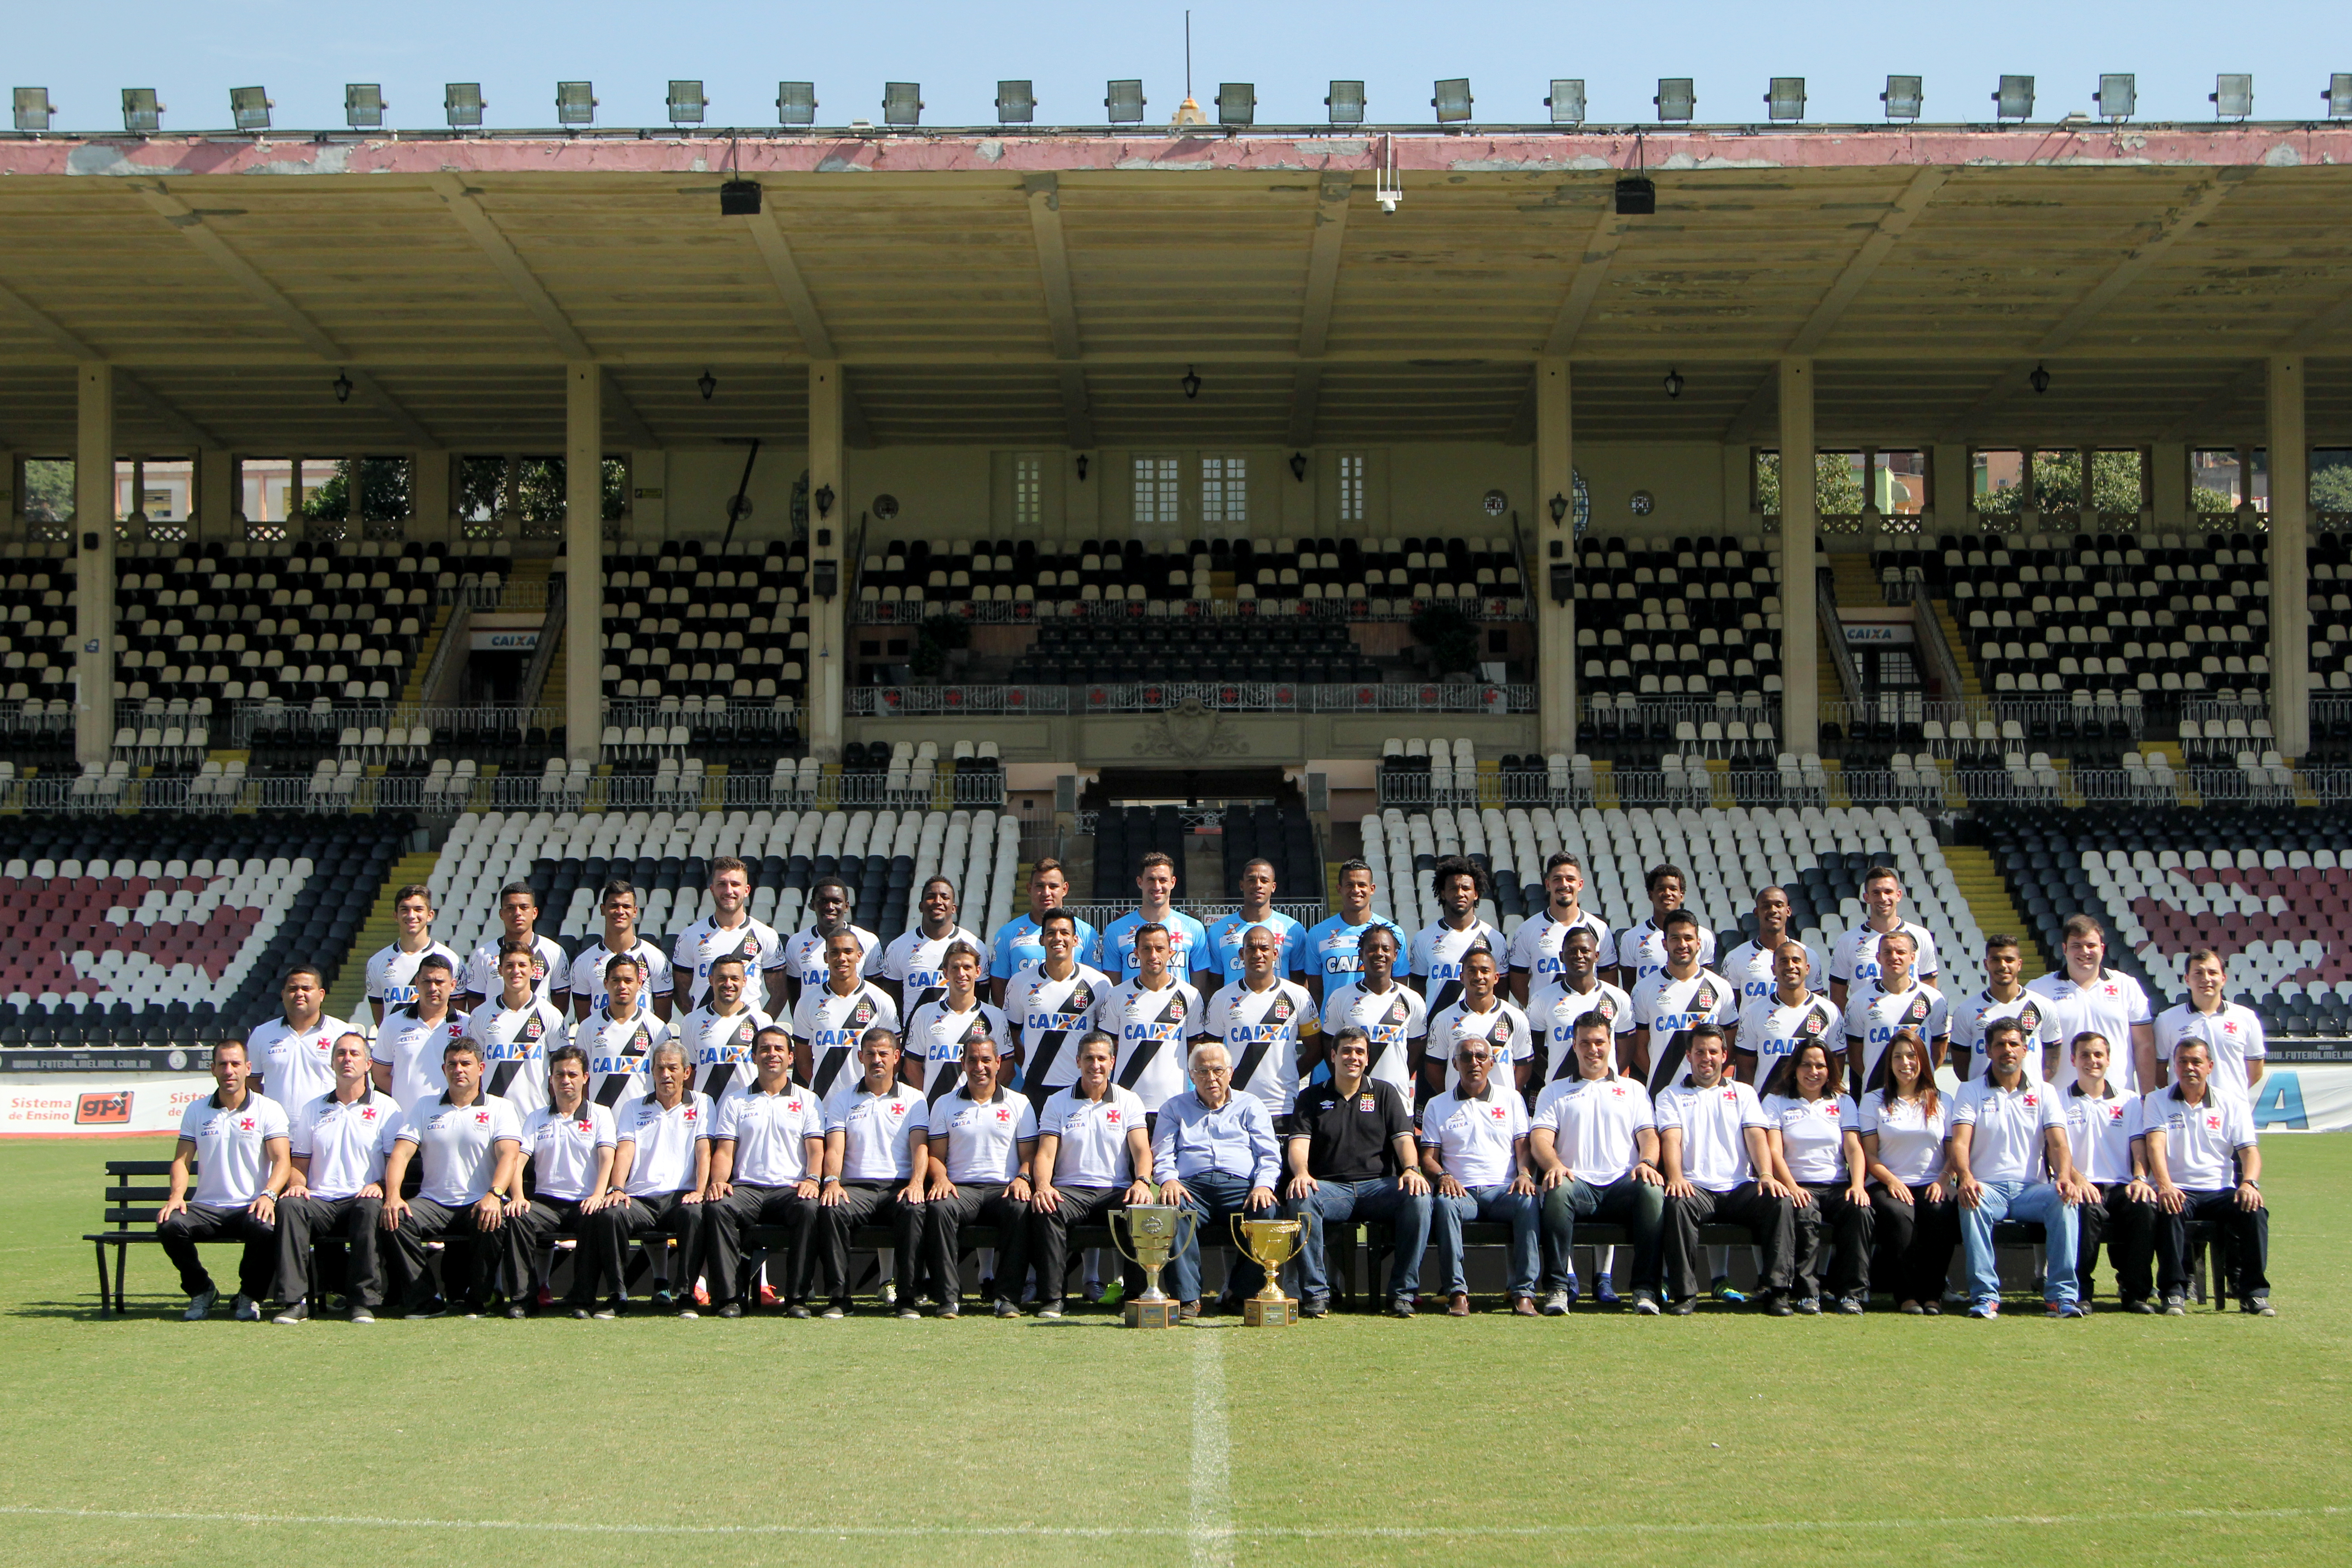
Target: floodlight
1016 103
2339 93
33 108
141 113
462 103
1786 100
902 103
2232 95
1453 99
575 103
1346 104
1636 196
687 103
1567 100
1236 103
1123 103
2116 94
796 103
249 108
1902 97
363 105
1676 98
2015 99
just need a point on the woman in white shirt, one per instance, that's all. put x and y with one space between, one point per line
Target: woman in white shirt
1903 1124
1817 1152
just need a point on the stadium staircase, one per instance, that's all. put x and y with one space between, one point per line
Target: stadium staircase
413 693
1986 892
551 691
348 996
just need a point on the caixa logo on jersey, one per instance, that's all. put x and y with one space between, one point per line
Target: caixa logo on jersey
609 1063
1138 1033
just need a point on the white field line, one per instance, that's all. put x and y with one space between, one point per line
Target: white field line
1211 1513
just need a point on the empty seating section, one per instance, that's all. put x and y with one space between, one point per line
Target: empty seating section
909 772
1308 652
690 632
1687 622
36 626
162 931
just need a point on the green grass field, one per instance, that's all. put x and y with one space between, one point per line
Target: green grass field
1720 1439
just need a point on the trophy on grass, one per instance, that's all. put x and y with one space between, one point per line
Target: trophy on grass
1270 1243
1155 1233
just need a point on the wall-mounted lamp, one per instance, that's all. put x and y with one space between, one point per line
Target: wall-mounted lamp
1673 383
1558 509
1082 467
1298 467
707 385
1191 383
342 387
2038 380
824 499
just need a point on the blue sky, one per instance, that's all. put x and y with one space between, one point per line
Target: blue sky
304 53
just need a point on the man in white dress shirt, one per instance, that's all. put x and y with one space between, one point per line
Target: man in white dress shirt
1594 1143
407 1055
661 1164
1474 1151
984 1138
337 1143
2113 1205
239 1140
1715 1155
767 1156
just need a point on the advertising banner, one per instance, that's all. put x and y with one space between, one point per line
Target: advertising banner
75 1105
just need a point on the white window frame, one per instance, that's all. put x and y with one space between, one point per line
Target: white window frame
1352 469
1159 498
1225 488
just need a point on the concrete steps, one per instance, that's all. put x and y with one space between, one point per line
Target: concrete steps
348 997
1982 883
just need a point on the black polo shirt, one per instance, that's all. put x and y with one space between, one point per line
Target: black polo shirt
1349 1139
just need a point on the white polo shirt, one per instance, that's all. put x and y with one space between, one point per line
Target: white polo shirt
1554 1026
804 955
1262 1031
755 941
1812 1134
1773 1029
2109 1006
2199 1140
1474 1136
1910 1142
1749 967
2233 1036
391 974
1050 1017
1594 1122
768 1131
912 962
834 1026
2099 1132
1391 1020
587 974
1714 1123
719 1046
664 1141
619 1050
295 1066
878 1131
514 1043
1093 1150
1667 1008
458 1146
1434 957
1971 1019
1502 1025
937 1037
1641 948
983 1136
1872 1014
413 1048
551 971
231 1163
1535 946
344 1142
563 1149
1155 1029
1853 957
2006 1143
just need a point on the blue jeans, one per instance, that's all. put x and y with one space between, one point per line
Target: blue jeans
2037 1202
1521 1211
1215 1196
1344 1202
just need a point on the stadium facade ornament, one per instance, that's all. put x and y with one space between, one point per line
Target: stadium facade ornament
1191 729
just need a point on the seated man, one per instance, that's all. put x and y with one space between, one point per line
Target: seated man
1212 1154
2113 1204
471 1144
767 1150
2188 1136
1349 1141
1474 1149
1596 1142
983 1137
239 1142
568 1144
2006 1126
876 1148
1094 1155
337 1142
1715 1155
661 1164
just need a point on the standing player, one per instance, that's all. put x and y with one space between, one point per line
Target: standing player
1754 966
1889 1000
1159 1018
408 1047
1266 1024
1482 1016
939 1034
1535 947
391 973
471 1146
729 931
1772 1026
619 1035
1258 909
767 1152
1051 1003
1019 943
829 1021
875 1146
1853 958
568 1144
291 1054
2002 997
619 904
911 964
239 1140
1435 956
1678 995
718 1034
551 977
1393 1017
514 1030
337 1144
1576 990
1187 945
1639 952
1332 956
661 1164
2233 1034
2086 996
1094 1155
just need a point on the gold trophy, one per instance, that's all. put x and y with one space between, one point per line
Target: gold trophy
1270 1243
1155 1232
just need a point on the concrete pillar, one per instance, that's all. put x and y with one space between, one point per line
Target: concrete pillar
828 635
583 550
216 497
94 564
1949 483
1801 708
2290 475
429 496
1555 624
2167 480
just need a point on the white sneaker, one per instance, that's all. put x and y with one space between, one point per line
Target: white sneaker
1556 1304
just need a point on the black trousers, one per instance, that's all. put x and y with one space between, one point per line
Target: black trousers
943 1218
202 1222
356 1221
867 1203
1050 1237
1835 1223
2129 1230
727 1231
1770 1220
2248 1236
1917 1240
602 1260
468 1257
529 1238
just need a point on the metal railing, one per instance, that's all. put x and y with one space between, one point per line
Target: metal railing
746 720
488 718
1832 632
456 633
1223 696
1002 612
728 792
908 701
551 634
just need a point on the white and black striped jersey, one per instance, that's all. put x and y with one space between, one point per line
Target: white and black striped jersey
514 1043
705 941
1391 1020
1773 1029
1669 1009
1749 967
835 1027
1872 1014
1504 1025
1969 1019
804 958
719 1046
912 963
937 1035
588 972
1155 1030
1049 1016
1435 959
1535 946
391 974
412 1050
1553 1026
1853 957
1640 951
551 973
619 1050
1264 1032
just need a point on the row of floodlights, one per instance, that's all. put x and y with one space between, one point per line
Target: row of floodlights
1123 102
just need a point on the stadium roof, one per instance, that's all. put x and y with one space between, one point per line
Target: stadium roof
1048 289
